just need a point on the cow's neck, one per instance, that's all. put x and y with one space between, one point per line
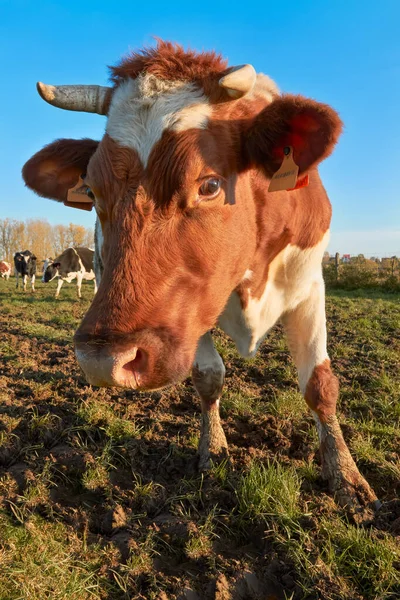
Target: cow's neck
292 230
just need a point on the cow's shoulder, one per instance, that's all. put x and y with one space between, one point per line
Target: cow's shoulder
86 256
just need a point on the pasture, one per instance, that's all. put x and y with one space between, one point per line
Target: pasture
99 492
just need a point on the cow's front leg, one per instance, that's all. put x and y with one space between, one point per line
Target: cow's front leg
33 282
306 331
59 286
79 278
208 376
24 280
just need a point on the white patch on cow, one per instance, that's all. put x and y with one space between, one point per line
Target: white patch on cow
305 329
69 277
291 276
248 275
46 263
207 358
142 108
26 258
59 286
87 275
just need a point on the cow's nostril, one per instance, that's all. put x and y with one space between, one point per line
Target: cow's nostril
137 364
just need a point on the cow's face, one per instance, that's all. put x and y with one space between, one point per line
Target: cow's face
22 260
172 182
50 272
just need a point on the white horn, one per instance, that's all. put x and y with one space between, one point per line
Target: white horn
239 81
85 98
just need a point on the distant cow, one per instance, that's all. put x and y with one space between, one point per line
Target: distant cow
73 263
5 269
25 265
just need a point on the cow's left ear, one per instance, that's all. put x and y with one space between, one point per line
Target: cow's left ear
311 128
56 168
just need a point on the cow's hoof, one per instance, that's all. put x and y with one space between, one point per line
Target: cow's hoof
212 452
354 494
209 459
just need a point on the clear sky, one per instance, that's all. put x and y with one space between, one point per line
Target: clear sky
343 52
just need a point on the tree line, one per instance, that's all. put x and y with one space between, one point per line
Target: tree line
41 238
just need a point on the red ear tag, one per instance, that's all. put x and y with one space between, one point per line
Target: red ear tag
77 197
302 182
285 177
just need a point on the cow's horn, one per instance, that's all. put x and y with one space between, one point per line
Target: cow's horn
239 81
85 98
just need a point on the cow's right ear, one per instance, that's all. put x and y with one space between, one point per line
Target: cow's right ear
56 168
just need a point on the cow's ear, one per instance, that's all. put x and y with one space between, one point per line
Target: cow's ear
56 168
311 128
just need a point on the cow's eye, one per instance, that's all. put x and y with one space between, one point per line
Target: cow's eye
209 188
89 193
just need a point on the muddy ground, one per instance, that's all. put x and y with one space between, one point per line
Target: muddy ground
118 470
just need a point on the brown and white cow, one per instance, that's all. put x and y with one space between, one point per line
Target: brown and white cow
5 269
189 236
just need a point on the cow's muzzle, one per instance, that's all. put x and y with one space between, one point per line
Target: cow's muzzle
142 362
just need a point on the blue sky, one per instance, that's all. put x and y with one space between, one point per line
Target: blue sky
345 53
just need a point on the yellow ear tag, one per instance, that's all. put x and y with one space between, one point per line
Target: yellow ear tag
77 197
286 176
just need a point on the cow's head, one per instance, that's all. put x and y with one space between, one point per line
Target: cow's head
188 141
50 270
23 258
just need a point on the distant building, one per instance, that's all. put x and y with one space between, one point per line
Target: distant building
346 258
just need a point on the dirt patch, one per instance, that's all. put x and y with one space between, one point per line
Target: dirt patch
120 468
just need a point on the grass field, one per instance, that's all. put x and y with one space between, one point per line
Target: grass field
99 492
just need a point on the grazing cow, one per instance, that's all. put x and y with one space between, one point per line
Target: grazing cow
73 263
25 265
210 210
5 269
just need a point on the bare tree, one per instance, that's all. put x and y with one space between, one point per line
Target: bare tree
41 238
76 234
12 237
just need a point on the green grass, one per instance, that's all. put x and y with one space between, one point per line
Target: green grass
40 559
99 492
269 491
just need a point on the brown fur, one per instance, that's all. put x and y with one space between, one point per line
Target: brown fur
310 127
171 62
56 168
322 391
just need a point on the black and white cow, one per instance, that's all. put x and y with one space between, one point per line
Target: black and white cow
73 263
25 265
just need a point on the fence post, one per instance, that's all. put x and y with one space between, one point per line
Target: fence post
337 255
